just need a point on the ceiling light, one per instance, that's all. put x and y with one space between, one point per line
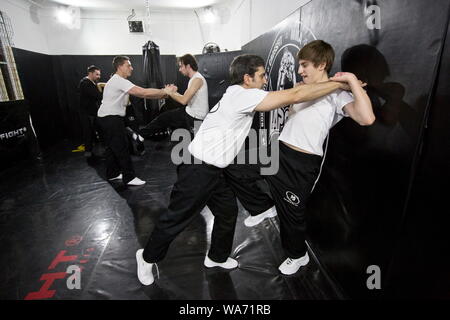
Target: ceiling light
63 16
69 16
209 15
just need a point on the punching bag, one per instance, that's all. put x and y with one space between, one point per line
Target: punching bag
152 79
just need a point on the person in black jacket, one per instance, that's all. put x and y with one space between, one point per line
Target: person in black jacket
90 99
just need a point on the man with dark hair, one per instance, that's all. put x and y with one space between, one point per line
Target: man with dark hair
111 119
90 98
195 99
188 60
216 145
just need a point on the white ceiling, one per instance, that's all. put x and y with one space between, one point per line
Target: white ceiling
138 4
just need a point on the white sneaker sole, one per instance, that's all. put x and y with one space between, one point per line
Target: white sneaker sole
208 263
136 183
301 264
249 222
142 279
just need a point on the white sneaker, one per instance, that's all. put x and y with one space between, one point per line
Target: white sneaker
229 264
291 266
119 177
254 220
144 269
136 182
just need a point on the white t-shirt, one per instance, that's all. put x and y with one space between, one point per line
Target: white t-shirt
309 122
115 97
198 106
223 132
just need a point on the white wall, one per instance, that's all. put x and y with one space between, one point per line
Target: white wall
252 18
175 31
29 33
248 20
106 33
266 14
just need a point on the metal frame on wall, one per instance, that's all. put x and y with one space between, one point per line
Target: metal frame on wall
10 86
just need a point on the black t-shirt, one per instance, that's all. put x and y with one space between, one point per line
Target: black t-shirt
90 97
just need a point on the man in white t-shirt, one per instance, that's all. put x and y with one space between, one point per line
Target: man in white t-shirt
195 98
111 120
302 138
217 143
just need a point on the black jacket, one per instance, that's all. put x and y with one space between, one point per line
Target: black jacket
90 97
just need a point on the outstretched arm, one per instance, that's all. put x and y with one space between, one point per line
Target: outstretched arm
184 99
361 109
148 93
301 93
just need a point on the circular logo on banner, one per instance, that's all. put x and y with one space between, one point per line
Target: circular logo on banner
282 66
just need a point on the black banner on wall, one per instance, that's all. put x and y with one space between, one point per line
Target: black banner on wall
286 39
215 68
54 96
17 136
355 211
72 69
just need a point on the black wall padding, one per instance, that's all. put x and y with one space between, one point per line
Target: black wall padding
40 87
357 207
17 137
215 68
50 83
71 69
421 249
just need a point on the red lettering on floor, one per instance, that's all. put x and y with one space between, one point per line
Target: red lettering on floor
61 258
44 293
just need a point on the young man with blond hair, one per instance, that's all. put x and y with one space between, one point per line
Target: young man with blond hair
302 139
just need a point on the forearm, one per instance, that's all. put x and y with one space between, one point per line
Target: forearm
308 92
154 93
301 93
362 105
179 98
